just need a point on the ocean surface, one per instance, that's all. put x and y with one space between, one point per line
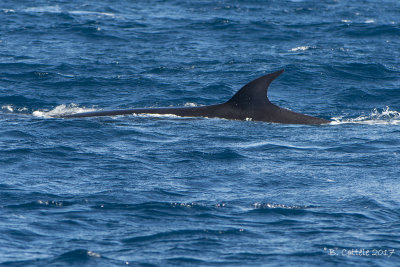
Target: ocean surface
158 190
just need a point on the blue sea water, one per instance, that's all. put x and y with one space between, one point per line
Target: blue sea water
165 191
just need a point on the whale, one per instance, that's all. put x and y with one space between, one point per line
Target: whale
249 103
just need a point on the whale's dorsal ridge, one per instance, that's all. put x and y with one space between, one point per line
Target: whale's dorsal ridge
255 92
250 102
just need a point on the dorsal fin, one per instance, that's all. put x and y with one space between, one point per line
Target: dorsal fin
255 92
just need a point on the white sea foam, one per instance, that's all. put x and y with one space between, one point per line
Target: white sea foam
190 104
376 117
9 108
259 205
93 254
300 48
156 115
62 110
8 10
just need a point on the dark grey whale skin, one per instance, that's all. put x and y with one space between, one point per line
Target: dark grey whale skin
249 103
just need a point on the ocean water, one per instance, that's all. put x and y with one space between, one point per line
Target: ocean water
169 191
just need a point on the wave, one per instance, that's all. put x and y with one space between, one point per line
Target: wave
12 108
376 117
258 205
301 48
69 109
62 110
58 10
78 257
369 28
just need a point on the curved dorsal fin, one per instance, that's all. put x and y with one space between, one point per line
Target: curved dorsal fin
255 92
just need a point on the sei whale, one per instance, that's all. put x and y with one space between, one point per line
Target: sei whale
249 103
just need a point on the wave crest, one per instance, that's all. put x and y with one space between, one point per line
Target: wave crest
62 110
384 116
